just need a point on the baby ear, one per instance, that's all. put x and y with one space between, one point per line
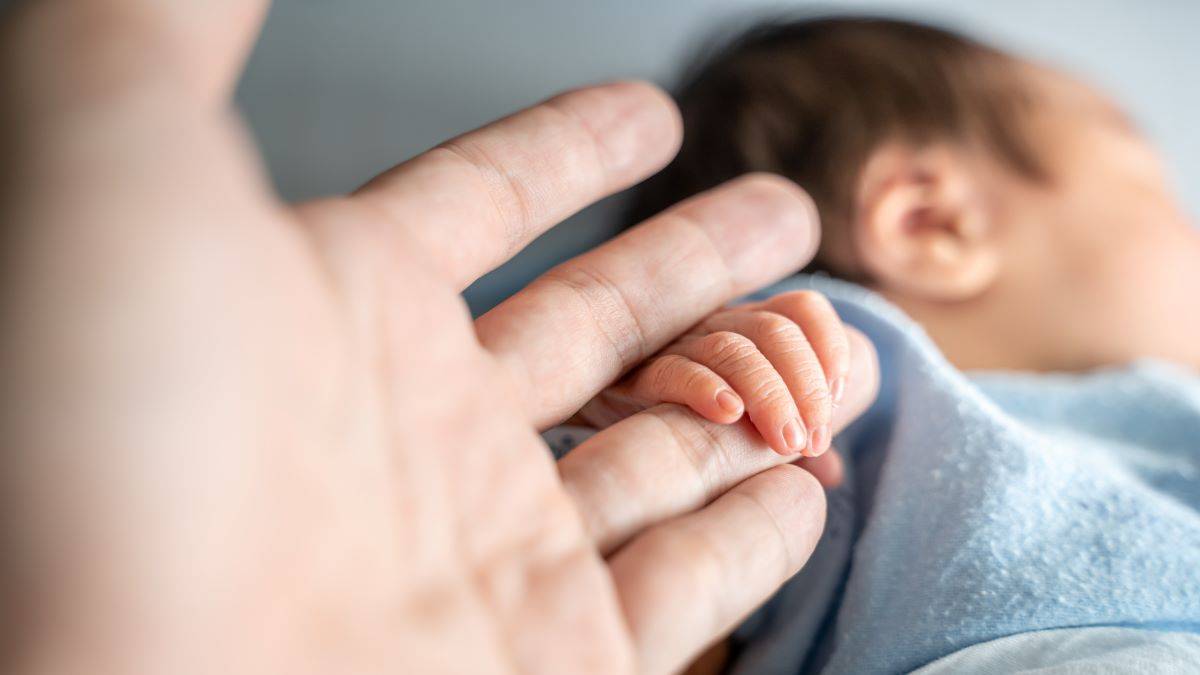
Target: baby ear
922 225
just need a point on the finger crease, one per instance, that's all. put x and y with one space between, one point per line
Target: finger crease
514 229
593 137
731 287
629 352
686 444
756 503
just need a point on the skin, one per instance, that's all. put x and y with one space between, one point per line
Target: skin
782 362
1095 266
241 436
963 244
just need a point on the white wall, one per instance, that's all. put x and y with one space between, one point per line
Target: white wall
339 90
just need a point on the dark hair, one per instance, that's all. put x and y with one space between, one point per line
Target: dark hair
811 99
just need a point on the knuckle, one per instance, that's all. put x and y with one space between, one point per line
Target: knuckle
511 200
667 371
812 381
821 317
775 327
815 402
657 375
726 348
581 146
608 305
772 393
705 457
696 377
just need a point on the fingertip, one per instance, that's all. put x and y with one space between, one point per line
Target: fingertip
670 118
714 413
763 225
793 437
710 395
819 440
816 410
637 125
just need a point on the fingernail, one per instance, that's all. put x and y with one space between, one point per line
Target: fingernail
819 442
729 402
838 389
793 436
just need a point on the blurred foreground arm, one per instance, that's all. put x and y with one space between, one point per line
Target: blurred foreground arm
244 437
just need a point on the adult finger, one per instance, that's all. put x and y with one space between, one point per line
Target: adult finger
720 563
193 45
577 328
473 202
666 461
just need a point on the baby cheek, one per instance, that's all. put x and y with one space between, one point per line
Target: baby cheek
1142 285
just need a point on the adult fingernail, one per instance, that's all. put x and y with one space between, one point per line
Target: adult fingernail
729 402
838 389
793 436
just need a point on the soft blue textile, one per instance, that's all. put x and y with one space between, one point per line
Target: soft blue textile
1099 650
982 506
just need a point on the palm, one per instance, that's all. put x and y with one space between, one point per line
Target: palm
311 455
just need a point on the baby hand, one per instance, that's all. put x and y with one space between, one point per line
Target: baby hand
783 362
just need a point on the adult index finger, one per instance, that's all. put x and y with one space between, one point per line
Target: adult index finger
584 323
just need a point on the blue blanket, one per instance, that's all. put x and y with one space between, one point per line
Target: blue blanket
986 505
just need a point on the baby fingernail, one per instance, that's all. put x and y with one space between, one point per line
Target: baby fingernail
729 402
793 435
819 441
838 389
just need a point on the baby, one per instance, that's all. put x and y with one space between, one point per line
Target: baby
1012 210
1019 218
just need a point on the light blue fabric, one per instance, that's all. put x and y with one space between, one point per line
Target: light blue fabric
1078 651
982 506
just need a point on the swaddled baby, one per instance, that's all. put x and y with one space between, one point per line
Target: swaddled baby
1019 218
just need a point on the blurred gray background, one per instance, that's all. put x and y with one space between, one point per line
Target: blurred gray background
338 91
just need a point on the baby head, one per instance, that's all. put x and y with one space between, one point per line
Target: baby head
1011 209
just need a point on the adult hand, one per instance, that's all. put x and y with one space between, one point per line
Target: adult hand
243 437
